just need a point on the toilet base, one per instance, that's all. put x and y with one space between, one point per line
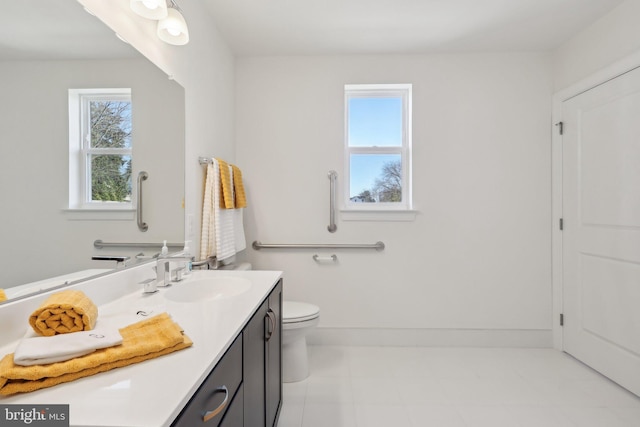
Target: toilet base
295 361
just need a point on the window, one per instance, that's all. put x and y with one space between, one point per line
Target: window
100 149
378 147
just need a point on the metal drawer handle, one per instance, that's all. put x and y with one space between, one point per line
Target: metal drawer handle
272 324
210 414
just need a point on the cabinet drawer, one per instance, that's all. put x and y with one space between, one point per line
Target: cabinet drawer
235 414
221 384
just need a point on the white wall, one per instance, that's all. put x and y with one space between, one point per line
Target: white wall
612 38
205 68
478 254
40 238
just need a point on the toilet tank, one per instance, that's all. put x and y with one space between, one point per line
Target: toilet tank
243 266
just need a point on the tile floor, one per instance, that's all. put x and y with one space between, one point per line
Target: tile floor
453 387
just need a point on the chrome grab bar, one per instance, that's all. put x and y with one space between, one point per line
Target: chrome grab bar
142 226
379 246
332 202
99 244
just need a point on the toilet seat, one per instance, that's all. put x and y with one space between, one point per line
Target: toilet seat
295 312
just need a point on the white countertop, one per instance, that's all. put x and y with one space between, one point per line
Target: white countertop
41 285
152 393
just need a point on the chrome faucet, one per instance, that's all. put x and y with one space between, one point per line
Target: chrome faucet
164 272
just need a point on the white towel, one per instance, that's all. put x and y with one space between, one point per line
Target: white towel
222 229
218 225
35 349
208 234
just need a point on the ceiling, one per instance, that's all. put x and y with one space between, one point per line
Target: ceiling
56 29
316 27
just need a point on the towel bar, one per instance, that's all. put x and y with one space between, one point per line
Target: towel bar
379 246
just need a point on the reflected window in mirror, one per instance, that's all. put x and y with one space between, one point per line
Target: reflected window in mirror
100 149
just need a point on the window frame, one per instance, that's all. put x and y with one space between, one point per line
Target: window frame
404 92
80 150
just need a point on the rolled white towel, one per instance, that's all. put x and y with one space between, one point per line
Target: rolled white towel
38 350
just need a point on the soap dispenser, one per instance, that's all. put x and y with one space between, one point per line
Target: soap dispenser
186 252
164 250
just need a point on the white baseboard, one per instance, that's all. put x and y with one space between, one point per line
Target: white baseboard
432 337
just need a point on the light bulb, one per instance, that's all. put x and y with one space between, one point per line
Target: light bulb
173 29
150 9
150 4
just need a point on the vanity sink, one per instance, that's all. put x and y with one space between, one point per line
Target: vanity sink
208 288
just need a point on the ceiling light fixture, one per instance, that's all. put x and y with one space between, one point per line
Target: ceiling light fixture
172 27
150 9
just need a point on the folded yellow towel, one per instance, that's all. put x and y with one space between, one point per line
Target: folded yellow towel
141 341
238 188
3 296
64 312
226 201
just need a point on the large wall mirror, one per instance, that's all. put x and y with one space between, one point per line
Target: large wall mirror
48 47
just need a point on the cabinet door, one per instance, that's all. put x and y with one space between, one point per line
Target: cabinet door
273 356
254 368
209 405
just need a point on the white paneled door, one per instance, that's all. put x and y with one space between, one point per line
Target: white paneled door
601 237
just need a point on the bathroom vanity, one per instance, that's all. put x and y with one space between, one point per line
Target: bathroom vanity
245 387
231 375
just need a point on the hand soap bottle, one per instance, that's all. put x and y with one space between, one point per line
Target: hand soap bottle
186 252
164 251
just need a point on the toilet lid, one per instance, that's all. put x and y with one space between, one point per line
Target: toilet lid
294 311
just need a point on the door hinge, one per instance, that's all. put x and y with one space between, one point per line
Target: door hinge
560 127
561 224
561 319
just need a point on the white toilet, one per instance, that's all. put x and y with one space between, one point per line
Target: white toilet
298 318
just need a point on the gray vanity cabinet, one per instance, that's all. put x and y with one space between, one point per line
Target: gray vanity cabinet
219 396
245 387
262 362
273 356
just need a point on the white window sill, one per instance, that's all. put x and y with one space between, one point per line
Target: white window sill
94 214
378 215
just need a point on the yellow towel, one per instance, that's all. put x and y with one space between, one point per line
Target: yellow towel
3 296
147 339
64 312
238 188
226 201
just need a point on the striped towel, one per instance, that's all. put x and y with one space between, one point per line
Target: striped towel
218 225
